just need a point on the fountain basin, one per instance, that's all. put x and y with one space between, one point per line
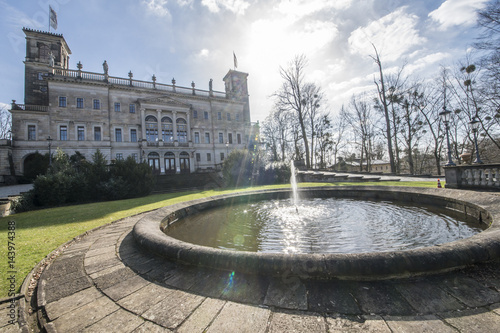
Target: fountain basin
481 247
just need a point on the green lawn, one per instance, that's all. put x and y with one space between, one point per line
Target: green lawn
40 232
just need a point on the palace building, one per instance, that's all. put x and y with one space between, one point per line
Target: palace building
175 129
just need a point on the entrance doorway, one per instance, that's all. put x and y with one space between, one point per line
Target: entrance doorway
169 162
184 162
154 162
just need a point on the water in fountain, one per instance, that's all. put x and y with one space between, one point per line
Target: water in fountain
293 182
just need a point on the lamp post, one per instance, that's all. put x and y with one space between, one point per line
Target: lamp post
474 124
445 117
227 149
49 139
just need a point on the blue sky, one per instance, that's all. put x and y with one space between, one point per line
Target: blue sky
193 40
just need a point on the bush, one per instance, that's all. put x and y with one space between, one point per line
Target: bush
238 168
275 173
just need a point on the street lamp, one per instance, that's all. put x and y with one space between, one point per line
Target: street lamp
49 139
227 148
474 125
445 117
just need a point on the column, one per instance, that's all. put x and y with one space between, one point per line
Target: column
174 125
143 124
158 116
188 119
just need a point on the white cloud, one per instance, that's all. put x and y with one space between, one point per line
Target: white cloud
236 6
457 12
393 35
427 60
157 7
300 8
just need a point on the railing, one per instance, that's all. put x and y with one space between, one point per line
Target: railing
89 76
27 107
473 176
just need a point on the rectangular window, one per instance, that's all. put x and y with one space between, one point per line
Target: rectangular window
196 137
222 157
80 130
97 104
97 133
230 138
135 156
63 133
79 103
219 115
133 135
221 137
238 138
205 115
198 157
237 117
207 137
209 157
117 107
229 117
62 102
31 132
131 108
119 156
118 134
195 114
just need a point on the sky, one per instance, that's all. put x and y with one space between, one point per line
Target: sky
193 40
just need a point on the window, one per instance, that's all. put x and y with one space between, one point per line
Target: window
118 134
207 137
238 138
80 130
119 156
195 114
62 102
230 137
196 137
133 135
151 129
209 157
221 137
31 132
167 129
228 117
97 104
181 130
135 156
198 157
131 108
97 133
222 157
219 115
237 117
117 107
79 103
63 133
205 115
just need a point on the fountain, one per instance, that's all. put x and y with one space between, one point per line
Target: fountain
367 264
293 183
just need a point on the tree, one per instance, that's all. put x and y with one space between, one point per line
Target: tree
382 95
311 103
5 122
291 95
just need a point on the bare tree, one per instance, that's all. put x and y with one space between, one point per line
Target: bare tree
5 122
277 130
311 104
290 97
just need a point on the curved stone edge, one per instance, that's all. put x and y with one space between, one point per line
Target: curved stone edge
482 247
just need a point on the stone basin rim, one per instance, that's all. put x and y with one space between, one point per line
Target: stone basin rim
480 248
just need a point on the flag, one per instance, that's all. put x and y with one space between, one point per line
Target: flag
52 18
235 60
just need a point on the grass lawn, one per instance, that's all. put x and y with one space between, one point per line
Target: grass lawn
40 232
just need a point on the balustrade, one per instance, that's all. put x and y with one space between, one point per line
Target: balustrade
463 176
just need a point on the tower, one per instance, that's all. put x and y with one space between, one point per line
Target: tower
237 88
45 52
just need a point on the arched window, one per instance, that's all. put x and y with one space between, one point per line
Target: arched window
151 129
184 162
154 160
181 130
167 129
169 162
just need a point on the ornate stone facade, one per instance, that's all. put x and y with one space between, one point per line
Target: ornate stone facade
176 129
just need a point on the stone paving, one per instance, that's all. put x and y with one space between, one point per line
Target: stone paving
104 283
